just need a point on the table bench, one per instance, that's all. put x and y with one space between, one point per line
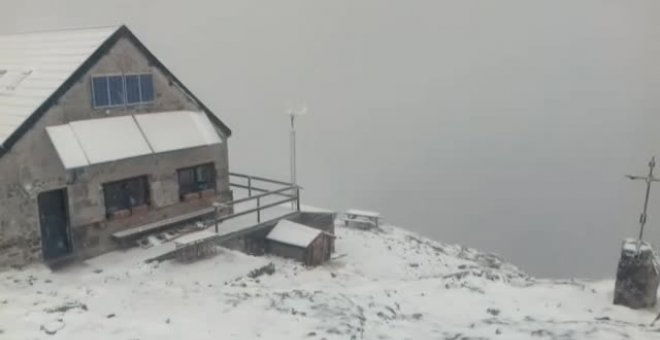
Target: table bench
362 218
126 235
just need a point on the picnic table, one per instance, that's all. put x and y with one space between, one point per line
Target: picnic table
362 218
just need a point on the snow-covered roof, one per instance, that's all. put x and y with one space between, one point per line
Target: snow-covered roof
34 65
294 234
93 141
37 68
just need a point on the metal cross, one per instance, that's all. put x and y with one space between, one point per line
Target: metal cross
648 179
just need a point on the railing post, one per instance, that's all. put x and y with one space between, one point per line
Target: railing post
298 199
249 186
215 216
258 209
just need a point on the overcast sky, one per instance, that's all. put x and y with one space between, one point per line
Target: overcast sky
504 125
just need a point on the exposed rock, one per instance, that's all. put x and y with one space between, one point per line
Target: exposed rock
637 276
493 311
66 307
267 269
52 327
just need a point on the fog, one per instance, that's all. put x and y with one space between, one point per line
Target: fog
502 125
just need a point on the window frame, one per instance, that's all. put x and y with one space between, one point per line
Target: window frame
139 87
125 195
107 84
213 181
139 77
125 89
153 88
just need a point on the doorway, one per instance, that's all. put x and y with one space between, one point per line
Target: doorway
54 221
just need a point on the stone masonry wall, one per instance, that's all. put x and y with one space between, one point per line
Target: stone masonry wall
32 166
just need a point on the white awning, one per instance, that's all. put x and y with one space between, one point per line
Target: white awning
86 142
169 131
294 234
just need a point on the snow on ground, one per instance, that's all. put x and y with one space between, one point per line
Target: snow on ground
388 284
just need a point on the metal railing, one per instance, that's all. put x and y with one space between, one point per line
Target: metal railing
289 191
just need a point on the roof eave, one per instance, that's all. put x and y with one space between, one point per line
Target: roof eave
214 119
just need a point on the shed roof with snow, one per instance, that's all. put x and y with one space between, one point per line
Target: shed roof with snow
36 69
293 233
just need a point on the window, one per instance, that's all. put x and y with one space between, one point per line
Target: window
120 90
116 86
196 179
139 88
100 90
147 88
122 197
132 89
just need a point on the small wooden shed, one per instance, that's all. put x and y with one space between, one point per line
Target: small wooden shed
299 242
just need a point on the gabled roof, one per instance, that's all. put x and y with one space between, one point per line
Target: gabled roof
38 68
293 233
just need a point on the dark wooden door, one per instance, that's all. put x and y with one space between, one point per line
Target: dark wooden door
54 220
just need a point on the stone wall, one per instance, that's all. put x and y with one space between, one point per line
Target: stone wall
32 166
637 276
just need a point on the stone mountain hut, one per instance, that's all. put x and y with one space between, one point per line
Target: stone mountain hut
98 138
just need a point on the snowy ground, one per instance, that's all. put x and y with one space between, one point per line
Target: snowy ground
381 285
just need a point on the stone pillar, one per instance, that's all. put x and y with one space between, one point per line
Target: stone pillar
637 276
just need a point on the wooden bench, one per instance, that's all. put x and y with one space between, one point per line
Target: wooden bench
362 218
127 235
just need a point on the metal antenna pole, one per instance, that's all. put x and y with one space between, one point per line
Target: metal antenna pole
292 153
648 179
293 149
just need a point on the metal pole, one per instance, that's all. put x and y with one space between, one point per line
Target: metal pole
649 179
249 186
292 153
293 149
258 209
298 199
